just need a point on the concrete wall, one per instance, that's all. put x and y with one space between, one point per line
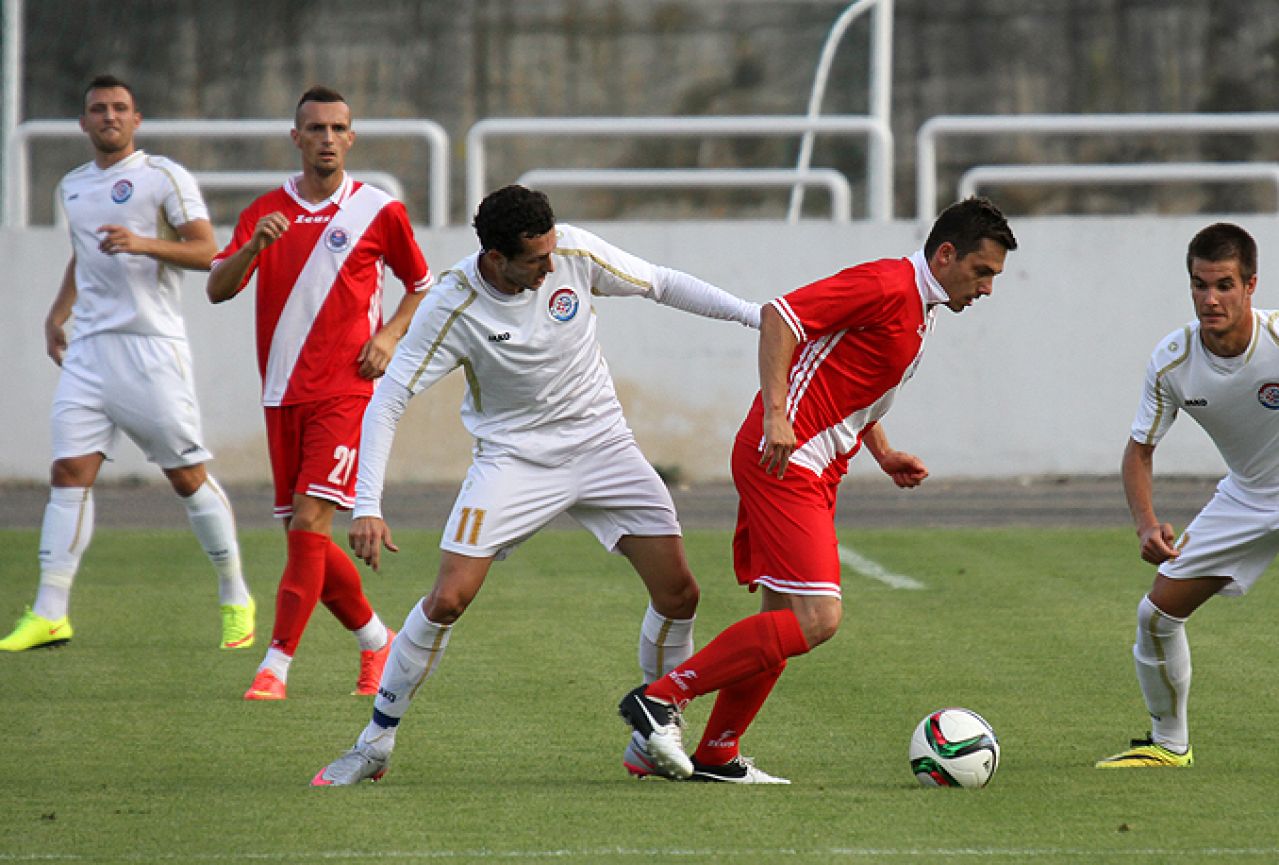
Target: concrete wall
457 62
1041 378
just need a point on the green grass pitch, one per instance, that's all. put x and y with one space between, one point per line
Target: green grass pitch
133 744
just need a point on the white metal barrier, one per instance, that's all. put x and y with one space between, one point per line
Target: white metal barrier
251 180
835 183
1118 174
879 171
881 81
952 126
17 185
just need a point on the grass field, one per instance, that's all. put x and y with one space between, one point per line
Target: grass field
133 745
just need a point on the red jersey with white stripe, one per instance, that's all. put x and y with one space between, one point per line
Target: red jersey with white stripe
319 297
861 335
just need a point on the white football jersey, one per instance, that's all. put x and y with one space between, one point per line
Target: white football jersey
1234 399
123 293
537 383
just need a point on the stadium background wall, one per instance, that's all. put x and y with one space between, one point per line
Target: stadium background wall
459 62
1042 378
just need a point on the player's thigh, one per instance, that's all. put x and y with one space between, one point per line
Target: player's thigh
1228 538
504 501
331 448
151 396
78 421
619 494
785 536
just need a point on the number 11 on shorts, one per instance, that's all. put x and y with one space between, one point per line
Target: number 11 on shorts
472 518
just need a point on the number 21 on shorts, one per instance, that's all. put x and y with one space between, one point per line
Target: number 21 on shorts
344 458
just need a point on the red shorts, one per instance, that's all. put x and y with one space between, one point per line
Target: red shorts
785 538
313 448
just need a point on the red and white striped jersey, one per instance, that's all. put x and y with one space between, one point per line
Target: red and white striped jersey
319 296
861 336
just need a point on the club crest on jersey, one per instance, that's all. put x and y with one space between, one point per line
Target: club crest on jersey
122 191
1268 395
563 304
336 239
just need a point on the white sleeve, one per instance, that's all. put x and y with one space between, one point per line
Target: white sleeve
183 202
390 399
684 291
1157 409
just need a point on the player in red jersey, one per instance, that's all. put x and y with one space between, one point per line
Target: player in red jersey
832 356
319 245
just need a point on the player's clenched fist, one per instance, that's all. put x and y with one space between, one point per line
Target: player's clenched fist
269 229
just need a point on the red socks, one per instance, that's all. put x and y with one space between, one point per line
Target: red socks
743 663
752 646
343 591
316 570
735 708
300 587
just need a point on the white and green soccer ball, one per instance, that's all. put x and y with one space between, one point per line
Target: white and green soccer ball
954 748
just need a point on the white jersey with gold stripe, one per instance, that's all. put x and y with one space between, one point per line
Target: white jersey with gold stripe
537 383
122 293
1234 399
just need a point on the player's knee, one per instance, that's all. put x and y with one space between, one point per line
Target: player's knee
821 623
678 600
444 605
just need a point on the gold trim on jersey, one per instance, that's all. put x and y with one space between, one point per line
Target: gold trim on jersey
453 317
1256 333
586 253
152 163
1159 376
472 382
1269 326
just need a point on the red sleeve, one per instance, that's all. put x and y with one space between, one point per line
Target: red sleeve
848 300
243 231
402 252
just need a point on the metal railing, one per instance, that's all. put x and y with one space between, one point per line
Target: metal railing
17 184
1120 174
211 181
835 183
879 162
880 86
953 126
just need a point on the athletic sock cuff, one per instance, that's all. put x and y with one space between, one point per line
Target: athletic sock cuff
790 635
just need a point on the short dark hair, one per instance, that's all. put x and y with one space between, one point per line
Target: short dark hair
317 93
507 217
965 224
1223 241
103 82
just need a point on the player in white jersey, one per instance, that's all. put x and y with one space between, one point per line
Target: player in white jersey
549 433
1223 370
136 222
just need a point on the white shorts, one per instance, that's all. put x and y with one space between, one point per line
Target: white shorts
1228 538
611 490
139 385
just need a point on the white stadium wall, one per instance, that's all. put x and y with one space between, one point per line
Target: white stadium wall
1042 378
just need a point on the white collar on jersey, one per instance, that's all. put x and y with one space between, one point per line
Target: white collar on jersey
128 162
340 195
929 288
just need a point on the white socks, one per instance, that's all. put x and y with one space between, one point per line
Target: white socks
415 653
1162 656
64 536
214 525
277 662
372 636
664 644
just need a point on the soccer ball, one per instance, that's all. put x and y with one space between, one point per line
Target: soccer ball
954 748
